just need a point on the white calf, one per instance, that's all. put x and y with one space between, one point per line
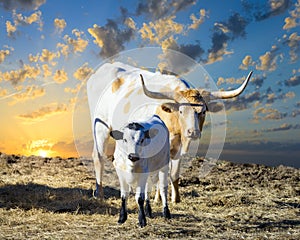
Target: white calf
142 157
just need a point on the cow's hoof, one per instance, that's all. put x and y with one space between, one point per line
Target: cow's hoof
176 199
122 218
98 192
166 213
148 209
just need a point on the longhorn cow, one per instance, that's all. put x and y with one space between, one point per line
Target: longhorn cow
115 94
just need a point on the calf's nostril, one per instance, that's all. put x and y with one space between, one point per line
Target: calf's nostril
133 157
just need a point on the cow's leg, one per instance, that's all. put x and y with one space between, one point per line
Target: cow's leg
174 175
163 186
123 211
101 136
157 197
98 165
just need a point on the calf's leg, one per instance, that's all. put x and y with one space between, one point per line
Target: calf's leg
142 216
124 196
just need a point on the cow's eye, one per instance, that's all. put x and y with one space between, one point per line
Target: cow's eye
125 140
203 112
142 140
180 112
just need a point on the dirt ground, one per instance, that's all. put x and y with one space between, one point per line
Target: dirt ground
51 198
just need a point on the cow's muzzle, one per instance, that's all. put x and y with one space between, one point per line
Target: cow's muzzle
193 134
133 157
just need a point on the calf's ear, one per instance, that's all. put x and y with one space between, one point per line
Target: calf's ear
151 133
116 134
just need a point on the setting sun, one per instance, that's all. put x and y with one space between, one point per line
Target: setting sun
43 153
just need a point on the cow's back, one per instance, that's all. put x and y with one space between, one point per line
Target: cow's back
115 93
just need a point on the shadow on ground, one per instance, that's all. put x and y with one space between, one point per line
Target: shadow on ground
58 200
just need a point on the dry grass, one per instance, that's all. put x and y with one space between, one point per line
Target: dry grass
52 199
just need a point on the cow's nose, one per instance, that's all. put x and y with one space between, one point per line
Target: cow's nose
133 157
192 133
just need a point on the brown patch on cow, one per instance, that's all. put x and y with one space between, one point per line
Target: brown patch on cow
170 119
192 96
129 93
175 145
130 89
140 91
117 84
126 107
165 88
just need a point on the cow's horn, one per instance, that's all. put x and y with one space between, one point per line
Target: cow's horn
156 95
232 93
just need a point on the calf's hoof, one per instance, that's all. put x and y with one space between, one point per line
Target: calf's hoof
142 222
148 209
166 213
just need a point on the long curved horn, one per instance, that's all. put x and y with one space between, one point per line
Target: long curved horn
156 95
232 93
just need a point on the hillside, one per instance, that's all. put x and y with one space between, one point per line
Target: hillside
51 198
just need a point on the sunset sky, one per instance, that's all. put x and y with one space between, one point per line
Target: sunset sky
48 48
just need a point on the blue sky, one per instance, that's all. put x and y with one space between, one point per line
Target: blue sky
47 48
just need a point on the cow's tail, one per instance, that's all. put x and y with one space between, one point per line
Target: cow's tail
98 120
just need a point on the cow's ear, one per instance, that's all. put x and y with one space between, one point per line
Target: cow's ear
170 107
151 133
215 107
116 134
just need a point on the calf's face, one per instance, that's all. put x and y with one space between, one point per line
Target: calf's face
132 140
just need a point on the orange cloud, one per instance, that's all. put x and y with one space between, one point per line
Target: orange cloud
19 19
294 44
3 54
247 61
293 20
60 24
3 92
268 61
197 21
158 31
82 72
218 55
17 76
60 76
78 44
44 112
31 92
46 70
10 28
48 56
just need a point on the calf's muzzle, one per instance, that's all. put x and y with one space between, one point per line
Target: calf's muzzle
133 157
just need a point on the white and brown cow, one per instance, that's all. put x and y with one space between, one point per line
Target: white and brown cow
115 94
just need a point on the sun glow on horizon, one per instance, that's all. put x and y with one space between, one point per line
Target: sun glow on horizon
43 153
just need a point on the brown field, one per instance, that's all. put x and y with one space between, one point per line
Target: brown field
51 198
